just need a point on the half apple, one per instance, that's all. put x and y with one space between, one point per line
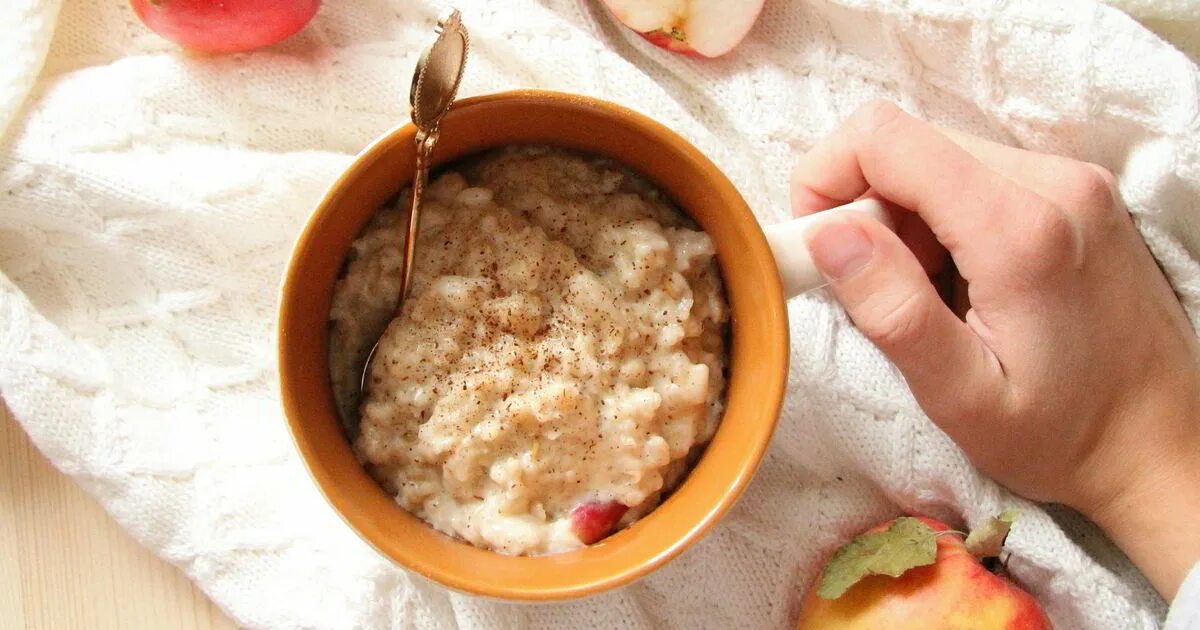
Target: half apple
701 28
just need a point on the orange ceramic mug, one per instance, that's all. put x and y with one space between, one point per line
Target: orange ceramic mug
757 362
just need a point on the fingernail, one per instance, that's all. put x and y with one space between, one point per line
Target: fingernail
840 249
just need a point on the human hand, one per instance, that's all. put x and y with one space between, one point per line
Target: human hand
1074 376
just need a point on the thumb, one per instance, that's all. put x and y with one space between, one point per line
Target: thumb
890 299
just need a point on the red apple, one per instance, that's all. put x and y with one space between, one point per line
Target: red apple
223 26
700 28
955 592
595 520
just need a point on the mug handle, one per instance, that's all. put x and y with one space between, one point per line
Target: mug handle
787 240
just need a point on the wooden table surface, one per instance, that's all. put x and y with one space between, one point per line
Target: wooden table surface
65 564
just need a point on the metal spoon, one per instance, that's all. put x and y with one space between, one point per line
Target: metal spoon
434 84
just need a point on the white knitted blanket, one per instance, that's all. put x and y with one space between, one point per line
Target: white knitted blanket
148 201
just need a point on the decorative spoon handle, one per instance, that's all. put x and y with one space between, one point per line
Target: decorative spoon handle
425 143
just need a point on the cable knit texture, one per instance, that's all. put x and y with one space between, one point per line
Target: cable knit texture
150 198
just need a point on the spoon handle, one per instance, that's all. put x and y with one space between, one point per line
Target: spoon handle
787 240
425 142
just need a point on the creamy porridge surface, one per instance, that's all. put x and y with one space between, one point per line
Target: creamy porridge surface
560 356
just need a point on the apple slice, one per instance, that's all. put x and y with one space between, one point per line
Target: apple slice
701 28
227 26
595 520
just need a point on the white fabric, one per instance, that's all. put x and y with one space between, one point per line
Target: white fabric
149 200
1178 21
25 30
1174 10
1185 608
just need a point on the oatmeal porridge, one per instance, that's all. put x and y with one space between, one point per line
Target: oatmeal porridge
558 364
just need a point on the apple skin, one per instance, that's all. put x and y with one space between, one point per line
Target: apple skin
595 520
665 41
227 26
954 593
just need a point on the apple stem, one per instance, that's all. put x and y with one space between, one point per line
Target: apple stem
998 564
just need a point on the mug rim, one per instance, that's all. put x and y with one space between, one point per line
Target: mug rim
768 396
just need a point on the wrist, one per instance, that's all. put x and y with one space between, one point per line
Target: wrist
1151 512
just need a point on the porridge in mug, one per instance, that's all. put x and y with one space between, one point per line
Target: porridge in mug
559 362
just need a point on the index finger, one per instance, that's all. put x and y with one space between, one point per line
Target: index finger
976 213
